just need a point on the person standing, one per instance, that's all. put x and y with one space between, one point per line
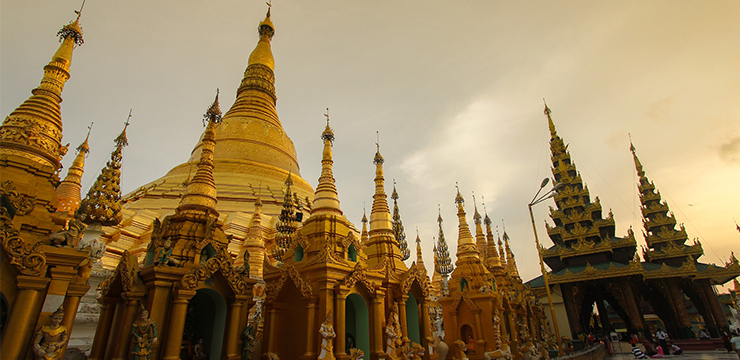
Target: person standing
736 341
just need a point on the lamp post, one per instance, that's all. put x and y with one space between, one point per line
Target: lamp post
535 201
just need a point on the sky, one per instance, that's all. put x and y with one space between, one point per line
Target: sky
455 90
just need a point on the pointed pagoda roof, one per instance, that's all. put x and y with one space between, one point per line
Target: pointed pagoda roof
34 129
326 198
465 242
69 189
580 229
480 238
442 261
382 244
398 230
364 235
286 226
492 259
102 205
666 243
511 267
200 193
419 256
251 145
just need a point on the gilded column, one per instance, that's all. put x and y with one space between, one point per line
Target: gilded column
157 301
633 311
378 323
176 324
570 309
20 326
129 316
102 331
404 323
426 338
312 328
273 313
233 334
714 305
454 329
479 333
72 302
115 330
513 335
679 306
340 315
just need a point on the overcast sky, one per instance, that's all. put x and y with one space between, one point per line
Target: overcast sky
454 88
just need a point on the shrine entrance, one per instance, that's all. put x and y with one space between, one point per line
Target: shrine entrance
357 324
412 319
206 319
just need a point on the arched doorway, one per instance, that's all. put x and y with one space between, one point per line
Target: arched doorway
357 323
465 332
412 319
206 320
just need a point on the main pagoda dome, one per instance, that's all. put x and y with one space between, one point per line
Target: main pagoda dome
253 156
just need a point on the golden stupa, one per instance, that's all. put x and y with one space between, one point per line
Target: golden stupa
253 154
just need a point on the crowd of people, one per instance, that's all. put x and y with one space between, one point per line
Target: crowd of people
663 346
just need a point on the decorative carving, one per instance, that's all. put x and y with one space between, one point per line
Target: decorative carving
70 236
195 276
50 340
28 259
22 204
358 275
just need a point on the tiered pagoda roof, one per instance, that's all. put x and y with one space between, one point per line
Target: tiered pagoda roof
582 236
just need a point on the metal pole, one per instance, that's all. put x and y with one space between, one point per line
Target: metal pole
547 284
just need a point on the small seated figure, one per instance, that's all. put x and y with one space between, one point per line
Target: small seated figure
199 351
163 255
51 339
144 334
470 345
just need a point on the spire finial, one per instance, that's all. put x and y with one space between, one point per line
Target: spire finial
84 147
269 7
378 158
213 114
328 133
547 109
553 131
327 116
79 12
377 140
458 199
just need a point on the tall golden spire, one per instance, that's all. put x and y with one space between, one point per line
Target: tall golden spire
102 205
510 262
551 124
69 189
492 258
398 230
326 198
465 243
501 251
200 193
286 226
480 238
419 257
364 236
382 243
34 129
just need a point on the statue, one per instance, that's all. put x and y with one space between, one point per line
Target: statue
356 354
244 269
144 335
497 330
327 341
163 255
441 347
248 339
457 350
70 236
417 352
485 289
391 333
199 351
502 353
96 248
51 339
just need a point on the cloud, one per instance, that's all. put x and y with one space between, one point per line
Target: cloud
730 151
660 111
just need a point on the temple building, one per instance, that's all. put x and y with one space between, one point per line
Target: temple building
591 265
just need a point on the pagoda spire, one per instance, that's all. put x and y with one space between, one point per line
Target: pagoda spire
382 243
492 259
102 205
465 243
34 129
200 193
480 238
579 223
69 189
398 230
442 261
501 250
364 236
419 257
665 243
326 198
286 224
510 262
